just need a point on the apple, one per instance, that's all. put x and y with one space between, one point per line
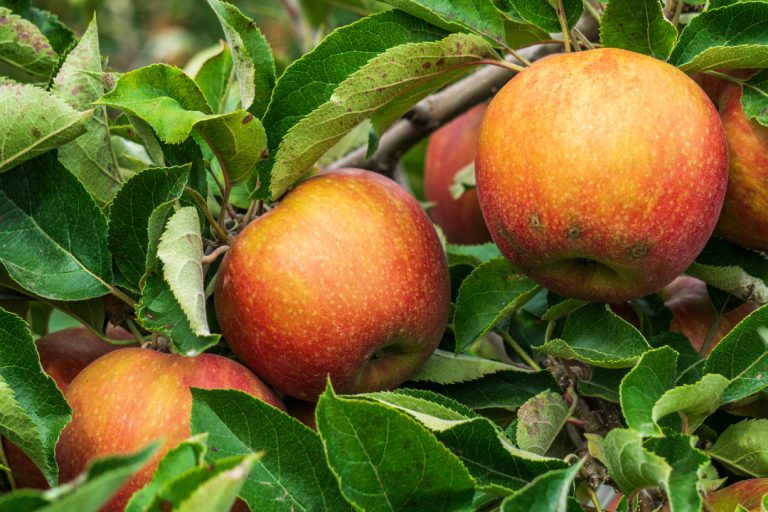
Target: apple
694 314
747 493
130 397
601 174
345 278
743 220
63 354
714 86
450 149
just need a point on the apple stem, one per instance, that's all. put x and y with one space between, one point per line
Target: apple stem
8 472
520 351
134 330
678 12
114 290
595 500
563 26
592 10
210 258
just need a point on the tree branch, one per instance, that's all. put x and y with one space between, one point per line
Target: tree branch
434 111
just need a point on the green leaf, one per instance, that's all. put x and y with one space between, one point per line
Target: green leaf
506 389
743 449
688 466
731 268
479 16
58 34
291 475
214 77
382 90
547 493
471 255
593 334
35 122
180 459
638 26
448 368
695 402
671 463
253 61
732 36
742 357
488 454
238 140
603 383
754 97
159 311
25 53
88 493
53 235
90 156
542 13
384 460
137 216
493 290
32 410
644 385
79 81
162 96
540 420
310 81
181 251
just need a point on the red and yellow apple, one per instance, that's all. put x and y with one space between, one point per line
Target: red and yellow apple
131 397
747 493
694 314
63 354
744 220
345 278
601 173
452 148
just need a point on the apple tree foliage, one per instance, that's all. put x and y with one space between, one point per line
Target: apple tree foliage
118 187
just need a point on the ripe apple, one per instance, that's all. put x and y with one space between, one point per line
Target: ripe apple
601 173
63 354
694 314
131 397
345 278
747 493
452 148
743 220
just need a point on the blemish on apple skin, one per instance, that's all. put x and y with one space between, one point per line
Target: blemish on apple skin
573 233
638 250
535 221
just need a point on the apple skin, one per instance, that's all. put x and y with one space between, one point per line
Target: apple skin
747 493
601 174
345 278
130 397
693 312
63 354
743 220
450 149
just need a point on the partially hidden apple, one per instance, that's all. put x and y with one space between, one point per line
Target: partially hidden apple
744 220
302 411
131 397
451 149
747 493
63 354
601 174
345 278
694 314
